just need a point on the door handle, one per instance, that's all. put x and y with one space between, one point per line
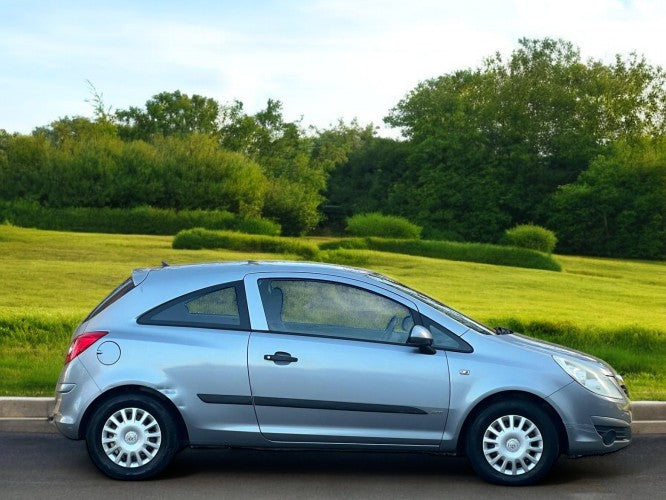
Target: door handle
280 357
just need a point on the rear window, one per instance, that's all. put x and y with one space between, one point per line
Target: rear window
119 291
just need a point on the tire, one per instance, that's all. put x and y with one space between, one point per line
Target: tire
131 437
512 443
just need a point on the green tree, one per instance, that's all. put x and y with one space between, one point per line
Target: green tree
617 207
83 171
24 167
196 173
169 113
513 131
79 127
551 113
279 147
296 162
451 180
101 111
373 172
67 129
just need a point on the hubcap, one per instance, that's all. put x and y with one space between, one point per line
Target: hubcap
512 445
131 437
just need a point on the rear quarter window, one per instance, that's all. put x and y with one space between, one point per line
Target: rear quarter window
221 306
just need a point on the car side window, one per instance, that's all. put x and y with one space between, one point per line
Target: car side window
322 308
442 338
213 307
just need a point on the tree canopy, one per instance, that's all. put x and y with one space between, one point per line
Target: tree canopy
489 146
540 136
169 113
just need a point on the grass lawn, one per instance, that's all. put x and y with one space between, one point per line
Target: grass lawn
612 308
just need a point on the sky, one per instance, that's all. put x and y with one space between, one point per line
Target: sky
323 59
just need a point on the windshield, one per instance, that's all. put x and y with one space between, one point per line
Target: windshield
435 304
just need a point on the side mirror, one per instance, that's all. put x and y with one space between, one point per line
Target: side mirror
421 337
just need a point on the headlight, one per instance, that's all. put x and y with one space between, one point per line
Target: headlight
592 377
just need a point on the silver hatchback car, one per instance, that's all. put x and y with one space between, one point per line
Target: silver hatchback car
302 355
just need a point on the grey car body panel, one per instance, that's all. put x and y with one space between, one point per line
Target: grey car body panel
185 362
328 369
494 367
344 371
340 393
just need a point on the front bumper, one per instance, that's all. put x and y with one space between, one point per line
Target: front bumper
594 425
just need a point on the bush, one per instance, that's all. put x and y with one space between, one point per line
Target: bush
198 238
346 244
385 226
98 169
617 207
139 220
532 237
484 253
293 205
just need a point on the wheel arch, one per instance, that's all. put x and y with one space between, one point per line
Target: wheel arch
183 435
519 396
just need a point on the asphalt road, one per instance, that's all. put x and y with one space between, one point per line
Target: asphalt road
50 466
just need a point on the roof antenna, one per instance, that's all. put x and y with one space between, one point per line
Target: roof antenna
165 264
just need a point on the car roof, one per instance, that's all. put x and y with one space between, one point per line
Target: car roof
247 266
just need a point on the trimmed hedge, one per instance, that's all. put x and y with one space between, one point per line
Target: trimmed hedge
530 236
139 220
384 226
198 238
344 257
484 253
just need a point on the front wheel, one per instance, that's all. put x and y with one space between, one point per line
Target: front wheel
512 443
131 437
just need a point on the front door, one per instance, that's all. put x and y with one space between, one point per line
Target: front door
331 365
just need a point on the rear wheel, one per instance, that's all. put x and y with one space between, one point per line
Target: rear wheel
131 437
512 443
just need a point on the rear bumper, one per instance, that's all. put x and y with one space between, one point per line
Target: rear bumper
74 392
594 425
64 423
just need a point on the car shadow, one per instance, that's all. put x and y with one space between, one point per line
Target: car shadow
193 461
303 463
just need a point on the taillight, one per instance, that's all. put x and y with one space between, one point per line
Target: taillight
81 343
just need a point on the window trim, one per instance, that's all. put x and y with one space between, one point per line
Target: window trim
244 317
